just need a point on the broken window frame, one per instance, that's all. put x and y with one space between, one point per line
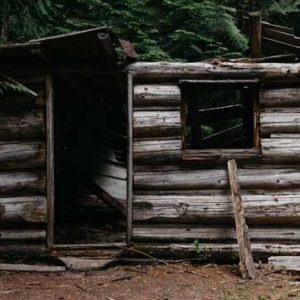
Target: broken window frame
222 154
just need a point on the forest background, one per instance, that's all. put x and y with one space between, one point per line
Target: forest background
179 30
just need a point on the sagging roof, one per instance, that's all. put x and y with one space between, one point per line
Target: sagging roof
90 48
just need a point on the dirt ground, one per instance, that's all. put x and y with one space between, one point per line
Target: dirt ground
157 282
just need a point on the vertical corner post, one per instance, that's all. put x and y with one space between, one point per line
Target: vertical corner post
50 160
129 157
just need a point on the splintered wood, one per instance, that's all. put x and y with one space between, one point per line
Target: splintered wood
246 260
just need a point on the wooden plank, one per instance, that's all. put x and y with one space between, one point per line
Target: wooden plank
107 198
156 95
31 268
284 97
285 29
156 123
247 266
21 125
273 46
22 235
23 209
50 159
113 170
129 184
22 182
289 263
217 179
190 233
281 36
115 187
85 264
22 155
215 207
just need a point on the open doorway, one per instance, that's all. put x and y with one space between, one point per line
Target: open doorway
90 160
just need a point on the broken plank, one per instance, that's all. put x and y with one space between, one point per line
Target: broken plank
85 264
31 268
246 260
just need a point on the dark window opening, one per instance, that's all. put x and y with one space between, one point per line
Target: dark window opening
219 117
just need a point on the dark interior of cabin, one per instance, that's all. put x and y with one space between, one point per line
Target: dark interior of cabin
219 117
90 159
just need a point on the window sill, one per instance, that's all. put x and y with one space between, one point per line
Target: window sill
220 155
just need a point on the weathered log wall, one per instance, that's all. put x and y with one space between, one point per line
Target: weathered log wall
23 204
180 200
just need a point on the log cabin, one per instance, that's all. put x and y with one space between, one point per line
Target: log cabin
112 153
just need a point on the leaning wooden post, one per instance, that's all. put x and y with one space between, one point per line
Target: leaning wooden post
255 33
246 260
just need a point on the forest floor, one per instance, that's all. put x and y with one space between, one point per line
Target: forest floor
151 282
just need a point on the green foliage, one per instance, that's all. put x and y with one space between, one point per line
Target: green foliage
9 85
185 30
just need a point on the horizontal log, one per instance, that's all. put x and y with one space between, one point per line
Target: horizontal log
216 208
282 110
217 179
281 149
21 126
157 150
156 145
216 250
220 155
185 233
156 95
156 108
279 123
156 123
22 235
22 155
285 97
22 182
285 136
23 209
13 102
211 192
268 72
